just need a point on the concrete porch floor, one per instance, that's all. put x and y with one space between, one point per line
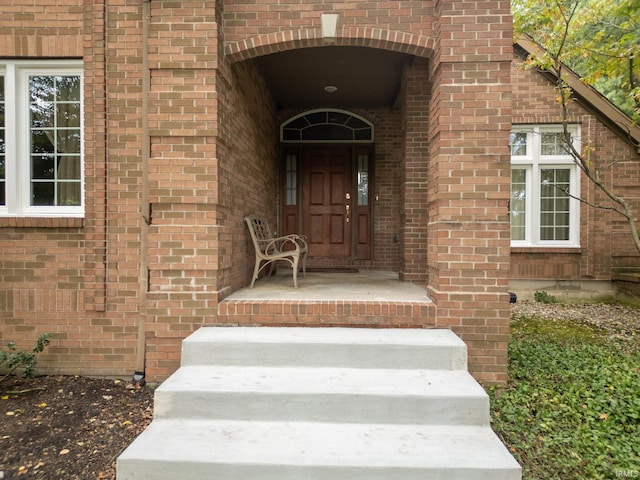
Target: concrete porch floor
365 285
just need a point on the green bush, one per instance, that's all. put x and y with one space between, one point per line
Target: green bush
544 297
13 359
572 408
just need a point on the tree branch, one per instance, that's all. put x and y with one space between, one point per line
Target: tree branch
624 208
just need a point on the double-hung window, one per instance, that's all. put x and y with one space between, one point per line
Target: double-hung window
41 162
545 186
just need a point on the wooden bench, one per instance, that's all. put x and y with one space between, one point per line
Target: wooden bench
270 250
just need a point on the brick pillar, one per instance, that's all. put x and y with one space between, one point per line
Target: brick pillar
183 164
415 172
468 257
95 147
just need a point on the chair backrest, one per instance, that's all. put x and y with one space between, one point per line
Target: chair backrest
260 232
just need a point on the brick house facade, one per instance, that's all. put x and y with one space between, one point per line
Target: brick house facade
181 140
605 250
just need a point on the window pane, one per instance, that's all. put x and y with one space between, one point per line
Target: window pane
292 180
68 168
554 204
562 177
518 143
67 88
362 134
553 143
42 167
42 194
69 193
546 233
68 141
547 204
41 89
291 134
42 141
326 125
299 123
338 117
562 204
518 204
68 115
55 131
363 179
327 131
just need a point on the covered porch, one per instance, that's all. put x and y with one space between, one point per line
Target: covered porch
372 298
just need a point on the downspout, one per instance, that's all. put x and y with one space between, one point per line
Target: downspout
145 208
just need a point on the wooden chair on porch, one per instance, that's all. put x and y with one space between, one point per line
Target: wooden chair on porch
270 250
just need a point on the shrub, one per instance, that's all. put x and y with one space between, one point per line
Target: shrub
13 359
544 297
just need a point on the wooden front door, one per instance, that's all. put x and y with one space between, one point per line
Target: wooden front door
327 200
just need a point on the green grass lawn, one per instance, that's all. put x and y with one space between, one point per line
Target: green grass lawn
572 407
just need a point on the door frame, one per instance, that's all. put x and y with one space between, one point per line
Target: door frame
292 164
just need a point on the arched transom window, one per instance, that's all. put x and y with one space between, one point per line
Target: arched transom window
327 125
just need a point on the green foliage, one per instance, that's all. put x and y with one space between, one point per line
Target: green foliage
572 409
599 39
543 297
13 359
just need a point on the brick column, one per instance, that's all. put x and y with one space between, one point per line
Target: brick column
415 127
468 257
183 231
94 37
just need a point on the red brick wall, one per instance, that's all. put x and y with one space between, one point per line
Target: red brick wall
213 161
414 173
605 243
42 29
267 17
53 269
468 253
387 224
181 145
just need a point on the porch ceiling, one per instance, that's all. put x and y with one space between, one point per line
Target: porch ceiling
364 77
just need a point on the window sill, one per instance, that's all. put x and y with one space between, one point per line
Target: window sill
41 222
559 250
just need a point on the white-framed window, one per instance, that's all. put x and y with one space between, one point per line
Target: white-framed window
545 185
41 139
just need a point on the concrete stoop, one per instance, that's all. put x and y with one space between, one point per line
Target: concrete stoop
320 404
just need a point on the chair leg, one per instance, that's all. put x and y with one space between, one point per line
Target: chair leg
304 264
295 271
256 270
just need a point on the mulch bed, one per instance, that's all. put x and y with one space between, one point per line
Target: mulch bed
68 427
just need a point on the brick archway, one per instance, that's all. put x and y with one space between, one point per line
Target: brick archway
398 41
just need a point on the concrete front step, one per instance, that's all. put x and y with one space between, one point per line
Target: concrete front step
314 451
323 395
326 347
320 404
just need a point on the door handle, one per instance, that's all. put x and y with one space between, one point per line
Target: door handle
347 208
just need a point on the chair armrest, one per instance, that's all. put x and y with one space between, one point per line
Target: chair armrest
276 245
300 239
